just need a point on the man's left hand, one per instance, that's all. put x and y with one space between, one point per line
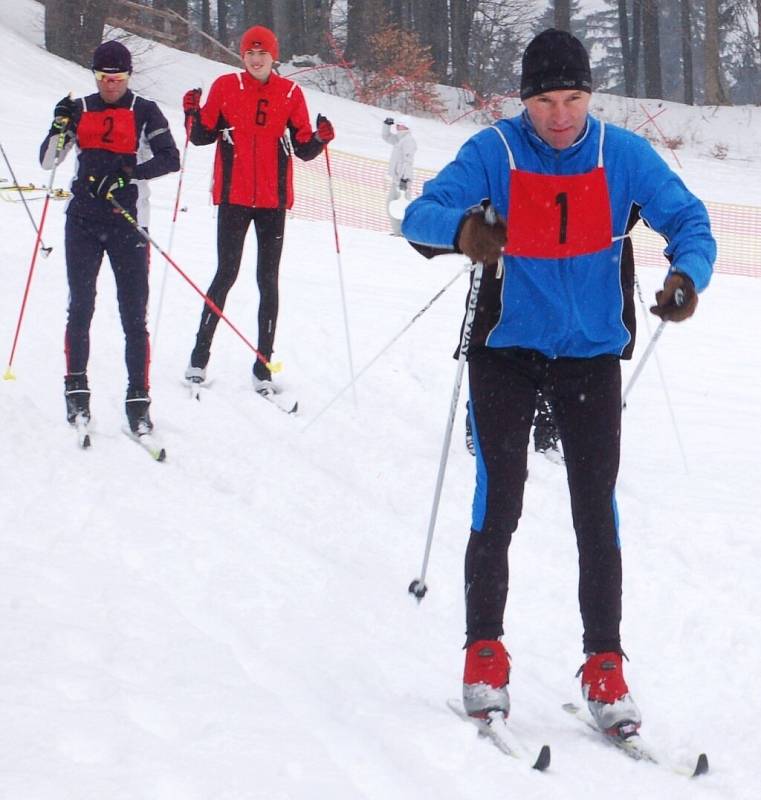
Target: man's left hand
677 300
104 185
325 132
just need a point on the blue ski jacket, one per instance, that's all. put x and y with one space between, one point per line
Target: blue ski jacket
581 306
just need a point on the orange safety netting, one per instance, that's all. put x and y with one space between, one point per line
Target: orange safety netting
360 186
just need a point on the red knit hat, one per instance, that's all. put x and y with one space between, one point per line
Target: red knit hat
259 38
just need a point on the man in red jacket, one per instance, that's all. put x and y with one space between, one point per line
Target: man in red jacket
248 115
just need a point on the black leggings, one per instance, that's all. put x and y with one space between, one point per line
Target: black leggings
586 398
232 225
86 243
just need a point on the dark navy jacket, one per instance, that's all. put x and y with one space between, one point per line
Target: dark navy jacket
131 133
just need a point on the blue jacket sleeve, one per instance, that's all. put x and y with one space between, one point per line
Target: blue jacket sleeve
670 209
433 219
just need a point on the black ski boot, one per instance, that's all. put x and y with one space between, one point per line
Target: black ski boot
77 394
136 406
546 436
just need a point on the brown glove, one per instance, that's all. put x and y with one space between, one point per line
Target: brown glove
481 240
677 300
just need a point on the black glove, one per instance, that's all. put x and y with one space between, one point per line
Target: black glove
481 240
677 300
104 185
325 132
403 183
388 121
63 113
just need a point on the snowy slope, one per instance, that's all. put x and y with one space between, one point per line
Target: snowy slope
235 623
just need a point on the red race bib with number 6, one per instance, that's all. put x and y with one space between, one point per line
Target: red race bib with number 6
558 216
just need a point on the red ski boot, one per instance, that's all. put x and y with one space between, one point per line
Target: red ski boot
487 673
607 695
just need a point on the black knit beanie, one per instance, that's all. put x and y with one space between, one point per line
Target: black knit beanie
112 57
555 60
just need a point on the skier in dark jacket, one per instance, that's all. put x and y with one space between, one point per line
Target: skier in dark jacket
122 142
567 189
257 119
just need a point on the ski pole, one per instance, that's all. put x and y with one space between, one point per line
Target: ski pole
8 375
418 587
369 364
663 379
643 360
171 239
340 272
46 251
678 300
276 367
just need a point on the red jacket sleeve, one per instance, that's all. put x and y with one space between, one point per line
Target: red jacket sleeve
207 122
305 143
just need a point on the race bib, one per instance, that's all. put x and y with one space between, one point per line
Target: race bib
112 129
558 216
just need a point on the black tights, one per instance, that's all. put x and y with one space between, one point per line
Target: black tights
232 226
586 399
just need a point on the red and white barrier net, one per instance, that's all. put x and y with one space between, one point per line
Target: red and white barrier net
360 187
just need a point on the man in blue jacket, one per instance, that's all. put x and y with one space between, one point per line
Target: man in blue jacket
558 318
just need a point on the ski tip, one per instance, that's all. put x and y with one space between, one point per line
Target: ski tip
85 443
701 768
295 409
543 759
159 455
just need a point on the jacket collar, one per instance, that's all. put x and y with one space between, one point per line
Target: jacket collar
251 82
96 102
539 143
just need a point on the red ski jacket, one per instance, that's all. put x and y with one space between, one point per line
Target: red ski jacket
248 121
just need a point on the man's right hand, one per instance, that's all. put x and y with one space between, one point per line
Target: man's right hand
63 113
191 101
480 240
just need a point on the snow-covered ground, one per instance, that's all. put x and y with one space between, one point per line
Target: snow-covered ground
235 623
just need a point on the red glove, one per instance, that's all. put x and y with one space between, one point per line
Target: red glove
191 101
325 132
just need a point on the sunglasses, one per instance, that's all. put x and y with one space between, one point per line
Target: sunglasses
110 77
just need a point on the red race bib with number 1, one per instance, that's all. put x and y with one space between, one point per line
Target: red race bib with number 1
558 216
